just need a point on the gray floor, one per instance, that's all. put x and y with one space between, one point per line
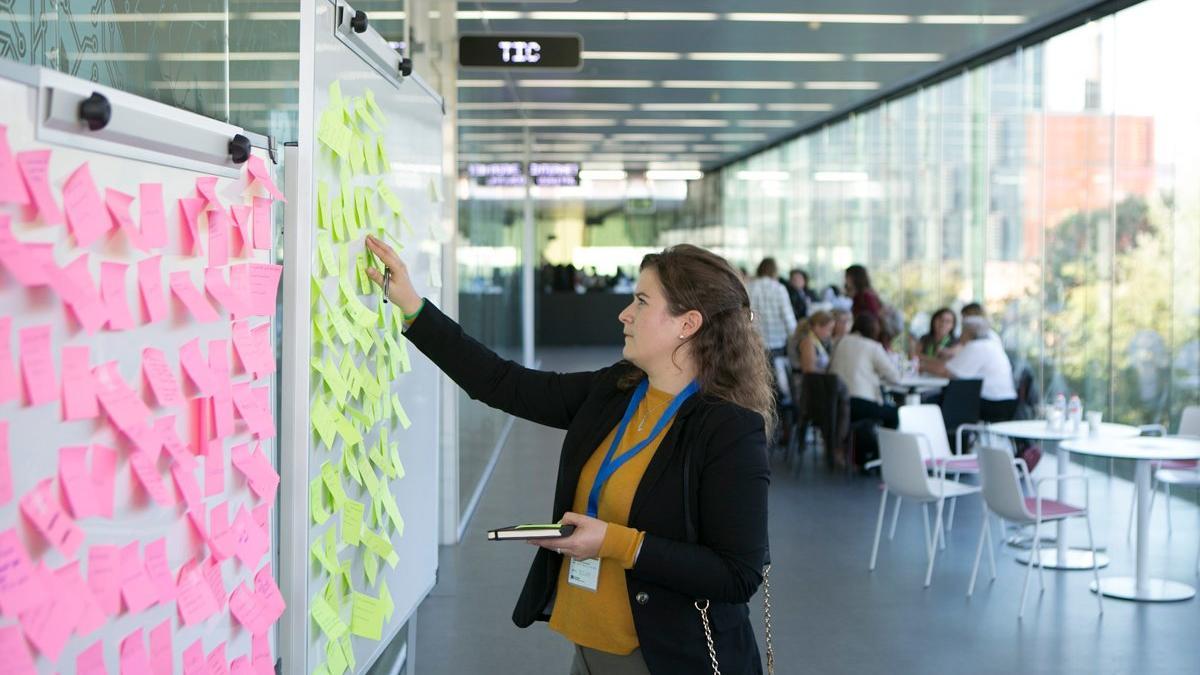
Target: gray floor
830 614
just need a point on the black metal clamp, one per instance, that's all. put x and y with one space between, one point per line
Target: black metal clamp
405 66
239 149
359 21
95 111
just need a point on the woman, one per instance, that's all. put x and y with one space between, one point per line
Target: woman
682 524
982 357
940 336
806 349
862 364
858 286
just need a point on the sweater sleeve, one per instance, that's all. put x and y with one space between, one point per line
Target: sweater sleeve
726 563
540 396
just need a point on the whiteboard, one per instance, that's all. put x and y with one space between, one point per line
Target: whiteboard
409 121
134 149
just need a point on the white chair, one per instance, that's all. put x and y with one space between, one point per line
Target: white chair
905 475
1003 496
1182 478
1189 425
927 422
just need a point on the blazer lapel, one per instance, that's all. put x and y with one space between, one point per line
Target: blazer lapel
578 455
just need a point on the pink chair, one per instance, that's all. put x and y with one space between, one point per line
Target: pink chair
1003 496
1189 425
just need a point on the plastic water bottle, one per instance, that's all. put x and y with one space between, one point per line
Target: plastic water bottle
1075 413
1060 412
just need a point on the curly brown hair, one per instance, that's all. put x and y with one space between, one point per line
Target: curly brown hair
729 352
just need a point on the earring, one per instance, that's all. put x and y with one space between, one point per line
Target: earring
680 337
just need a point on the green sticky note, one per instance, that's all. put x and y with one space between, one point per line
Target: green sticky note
380 546
405 365
397 408
375 109
396 463
333 483
366 617
383 158
345 332
326 617
372 157
339 223
347 650
331 553
385 597
393 511
368 474
389 198
316 502
350 435
370 567
347 199
335 660
352 522
365 114
357 161
324 208
320 329
350 466
322 421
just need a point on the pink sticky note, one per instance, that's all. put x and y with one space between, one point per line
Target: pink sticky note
136 588
216 582
197 304
262 223
195 599
260 650
85 211
91 660
259 171
74 285
258 419
91 616
49 625
185 483
206 188
264 283
257 469
154 303
14 654
222 401
21 586
10 386
40 505
29 264
161 378
12 190
37 365
241 220
264 426
175 447
121 403
6 490
78 391
193 660
190 210
35 171
243 346
241 666
112 290
215 284
214 468
134 660
159 570
218 238
104 577
147 474
267 591
252 542
104 469
196 367
118 204
246 609
162 659
76 481
195 516
152 215
262 347
216 661
221 537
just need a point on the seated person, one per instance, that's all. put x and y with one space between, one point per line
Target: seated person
940 336
862 364
806 348
841 327
981 356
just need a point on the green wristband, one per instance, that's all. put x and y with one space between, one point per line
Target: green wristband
410 317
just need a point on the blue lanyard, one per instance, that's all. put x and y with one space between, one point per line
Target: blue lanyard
611 464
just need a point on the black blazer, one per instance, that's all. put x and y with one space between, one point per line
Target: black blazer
702 501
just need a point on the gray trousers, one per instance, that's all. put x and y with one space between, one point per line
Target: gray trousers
591 662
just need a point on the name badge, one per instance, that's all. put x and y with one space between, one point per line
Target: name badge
584 573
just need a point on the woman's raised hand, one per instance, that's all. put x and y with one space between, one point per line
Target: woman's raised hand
400 288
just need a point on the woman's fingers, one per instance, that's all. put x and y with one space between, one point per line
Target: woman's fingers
375 276
384 252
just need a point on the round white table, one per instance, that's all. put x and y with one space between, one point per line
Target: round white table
1144 451
1061 557
913 385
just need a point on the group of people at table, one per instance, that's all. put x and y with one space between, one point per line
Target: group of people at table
855 345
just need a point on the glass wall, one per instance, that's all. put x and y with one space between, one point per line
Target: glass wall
1058 185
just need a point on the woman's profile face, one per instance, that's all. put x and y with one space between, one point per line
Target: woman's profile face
651 333
848 284
824 332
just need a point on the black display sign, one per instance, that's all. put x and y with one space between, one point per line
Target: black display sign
520 52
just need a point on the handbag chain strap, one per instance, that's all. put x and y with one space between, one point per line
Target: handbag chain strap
702 608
